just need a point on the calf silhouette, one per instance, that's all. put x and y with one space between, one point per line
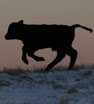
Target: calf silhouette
34 37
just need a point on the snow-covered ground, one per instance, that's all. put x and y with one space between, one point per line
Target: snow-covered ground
56 87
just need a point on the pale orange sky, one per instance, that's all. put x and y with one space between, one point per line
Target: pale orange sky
46 12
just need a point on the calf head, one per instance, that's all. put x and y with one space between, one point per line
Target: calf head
14 30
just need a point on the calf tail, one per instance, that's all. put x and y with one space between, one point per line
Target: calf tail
78 25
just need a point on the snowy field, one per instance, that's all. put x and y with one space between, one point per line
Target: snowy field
56 87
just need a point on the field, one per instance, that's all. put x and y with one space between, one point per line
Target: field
53 87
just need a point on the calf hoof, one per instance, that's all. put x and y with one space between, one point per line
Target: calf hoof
91 31
25 61
48 69
70 68
40 59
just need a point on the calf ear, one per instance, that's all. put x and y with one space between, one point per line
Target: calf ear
20 22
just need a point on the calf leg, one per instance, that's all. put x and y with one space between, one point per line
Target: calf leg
24 57
37 58
31 54
59 57
73 55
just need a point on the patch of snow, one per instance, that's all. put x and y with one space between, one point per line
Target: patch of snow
57 87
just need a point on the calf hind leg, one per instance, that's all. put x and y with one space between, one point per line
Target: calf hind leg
59 57
73 55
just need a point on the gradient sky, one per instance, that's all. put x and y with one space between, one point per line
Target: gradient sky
46 12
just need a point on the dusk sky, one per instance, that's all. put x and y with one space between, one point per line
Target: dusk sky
65 12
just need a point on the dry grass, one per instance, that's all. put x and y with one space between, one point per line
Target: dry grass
16 71
91 66
77 67
60 68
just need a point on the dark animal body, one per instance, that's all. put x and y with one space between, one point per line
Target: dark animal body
35 37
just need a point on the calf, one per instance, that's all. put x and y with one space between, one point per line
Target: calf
34 37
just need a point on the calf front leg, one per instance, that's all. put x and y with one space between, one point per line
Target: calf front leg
37 58
24 57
